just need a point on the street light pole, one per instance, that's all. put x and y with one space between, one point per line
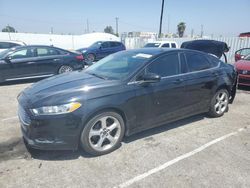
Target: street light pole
116 19
162 7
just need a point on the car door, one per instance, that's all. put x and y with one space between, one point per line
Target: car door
200 81
105 49
20 63
165 100
48 60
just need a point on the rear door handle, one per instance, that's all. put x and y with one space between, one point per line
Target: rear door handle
56 59
178 81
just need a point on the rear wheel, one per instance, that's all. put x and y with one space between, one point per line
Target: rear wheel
90 58
219 103
103 133
65 68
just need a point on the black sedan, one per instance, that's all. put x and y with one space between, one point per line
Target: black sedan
123 94
27 62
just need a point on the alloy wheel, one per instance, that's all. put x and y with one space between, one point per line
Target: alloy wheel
65 68
105 133
221 102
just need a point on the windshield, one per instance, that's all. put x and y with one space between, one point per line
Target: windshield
247 58
118 66
150 45
96 45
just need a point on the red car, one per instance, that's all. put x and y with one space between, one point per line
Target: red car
243 69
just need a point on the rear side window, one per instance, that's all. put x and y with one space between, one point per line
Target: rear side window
173 45
115 44
167 65
197 62
214 61
166 45
46 52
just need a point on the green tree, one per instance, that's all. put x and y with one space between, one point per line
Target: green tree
181 28
9 29
109 29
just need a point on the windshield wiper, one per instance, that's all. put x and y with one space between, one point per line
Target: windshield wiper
98 76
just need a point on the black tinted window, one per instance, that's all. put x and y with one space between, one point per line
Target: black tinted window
106 45
214 61
5 45
196 62
173 45
165 66
115 44
166 45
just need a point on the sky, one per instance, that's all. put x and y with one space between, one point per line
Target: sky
218 17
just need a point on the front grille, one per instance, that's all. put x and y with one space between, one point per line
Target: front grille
244 72
244 81
23 116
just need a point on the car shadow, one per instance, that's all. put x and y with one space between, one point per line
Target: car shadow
17 82
243 88
71 155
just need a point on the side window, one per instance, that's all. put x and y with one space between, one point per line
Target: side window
105 45
25 53
214 61
46 52
4 45
166 45
165 66
197 62
173 45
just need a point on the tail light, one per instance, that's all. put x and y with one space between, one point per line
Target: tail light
80 57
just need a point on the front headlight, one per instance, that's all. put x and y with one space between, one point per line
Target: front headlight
53 110
83 51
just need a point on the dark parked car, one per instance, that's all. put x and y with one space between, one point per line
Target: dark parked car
241 54
101 49
123 94
26 62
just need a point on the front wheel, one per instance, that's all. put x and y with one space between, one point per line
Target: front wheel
219 103
103 133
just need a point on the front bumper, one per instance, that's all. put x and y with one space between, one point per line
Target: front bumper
244 80
57 132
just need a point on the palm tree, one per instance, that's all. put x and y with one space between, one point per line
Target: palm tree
181 28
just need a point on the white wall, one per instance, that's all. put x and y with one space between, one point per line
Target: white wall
63 41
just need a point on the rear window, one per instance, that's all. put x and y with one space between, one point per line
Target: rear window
115 44
46 52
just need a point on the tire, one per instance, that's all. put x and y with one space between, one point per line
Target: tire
91 58
65 68
219 103
103 133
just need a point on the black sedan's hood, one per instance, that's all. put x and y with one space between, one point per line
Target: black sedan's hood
216 48
66 84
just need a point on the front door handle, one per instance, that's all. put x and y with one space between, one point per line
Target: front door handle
178 81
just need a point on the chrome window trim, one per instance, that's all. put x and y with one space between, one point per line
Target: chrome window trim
182 74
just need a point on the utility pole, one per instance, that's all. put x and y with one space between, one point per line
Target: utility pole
116 20
51 30
202 31
162 7
87 25
168 23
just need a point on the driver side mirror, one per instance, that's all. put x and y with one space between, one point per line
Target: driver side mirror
7 59
150 78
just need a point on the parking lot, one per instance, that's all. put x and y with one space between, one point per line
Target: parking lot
195 152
